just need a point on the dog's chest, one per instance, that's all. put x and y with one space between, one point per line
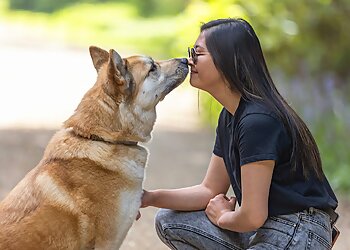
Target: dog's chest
129 198
134 168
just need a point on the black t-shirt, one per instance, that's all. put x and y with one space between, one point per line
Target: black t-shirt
255 133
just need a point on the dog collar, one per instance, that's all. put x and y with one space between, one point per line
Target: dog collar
127 143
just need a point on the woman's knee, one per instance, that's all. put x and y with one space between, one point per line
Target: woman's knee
172 224
163 217
190 230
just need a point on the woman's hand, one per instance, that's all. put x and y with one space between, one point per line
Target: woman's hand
219 205
146 201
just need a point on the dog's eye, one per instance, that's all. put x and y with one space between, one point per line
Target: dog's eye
153 68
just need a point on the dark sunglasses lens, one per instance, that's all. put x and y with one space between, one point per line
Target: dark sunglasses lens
194 56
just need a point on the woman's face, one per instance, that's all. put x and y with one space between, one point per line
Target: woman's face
204 74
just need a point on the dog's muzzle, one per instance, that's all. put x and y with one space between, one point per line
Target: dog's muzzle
182 69
184 61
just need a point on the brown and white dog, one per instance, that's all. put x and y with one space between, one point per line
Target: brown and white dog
86 191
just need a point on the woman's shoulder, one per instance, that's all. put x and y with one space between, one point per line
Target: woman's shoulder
258 120
248 110
257 110
255 107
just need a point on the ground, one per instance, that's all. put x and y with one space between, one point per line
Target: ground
41 84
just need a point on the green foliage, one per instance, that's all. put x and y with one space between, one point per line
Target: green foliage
117 26
38 5
150 8
325 110
303 34
295 35
145 8
334 142
110 25
209 108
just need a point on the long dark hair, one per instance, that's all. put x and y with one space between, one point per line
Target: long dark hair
237 54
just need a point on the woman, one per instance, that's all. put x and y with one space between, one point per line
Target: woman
262 148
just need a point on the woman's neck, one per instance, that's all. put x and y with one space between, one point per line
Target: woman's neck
228 98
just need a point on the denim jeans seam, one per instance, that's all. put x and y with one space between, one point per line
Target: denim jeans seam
309 239
315 222
275 229
294 232
169 241
164 236
200 232
319 238
283 221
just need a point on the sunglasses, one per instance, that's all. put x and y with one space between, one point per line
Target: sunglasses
192 53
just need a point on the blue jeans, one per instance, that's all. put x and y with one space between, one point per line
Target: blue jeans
192 230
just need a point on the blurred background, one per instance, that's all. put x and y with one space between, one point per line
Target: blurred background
45 68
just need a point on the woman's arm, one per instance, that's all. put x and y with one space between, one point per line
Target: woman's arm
192 198
256 180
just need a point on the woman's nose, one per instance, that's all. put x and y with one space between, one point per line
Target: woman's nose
189 61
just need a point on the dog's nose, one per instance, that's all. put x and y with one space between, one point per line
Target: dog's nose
184 61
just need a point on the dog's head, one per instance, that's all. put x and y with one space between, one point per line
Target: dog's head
121 104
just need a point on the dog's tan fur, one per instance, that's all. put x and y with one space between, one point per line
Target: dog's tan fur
86 190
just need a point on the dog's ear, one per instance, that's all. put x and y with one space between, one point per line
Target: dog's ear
116 63
118 74
117 71
99 56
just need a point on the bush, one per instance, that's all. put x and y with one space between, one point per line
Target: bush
47 6
145 8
